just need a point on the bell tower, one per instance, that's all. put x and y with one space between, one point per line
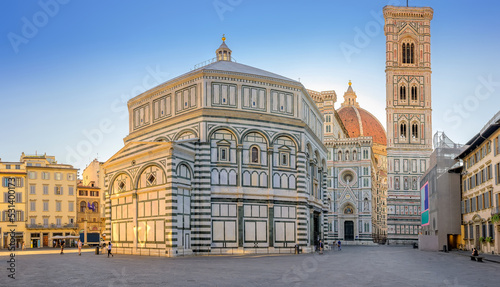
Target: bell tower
409 116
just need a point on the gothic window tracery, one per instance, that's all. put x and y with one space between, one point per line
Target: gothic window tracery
414 131
414 94
402 130
402 93
408 50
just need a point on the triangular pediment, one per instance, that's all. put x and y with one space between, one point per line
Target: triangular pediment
347 195
284 148
408 30
223 142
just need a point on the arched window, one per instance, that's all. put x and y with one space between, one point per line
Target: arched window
347 155
402 130
396 183
408 50
340 156
402 93
255 155
96 206
403 49
414 95
83 206
414 130
354 155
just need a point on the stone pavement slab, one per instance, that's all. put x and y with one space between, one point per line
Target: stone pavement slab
353 266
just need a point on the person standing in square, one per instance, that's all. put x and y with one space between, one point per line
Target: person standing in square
109 249
79 247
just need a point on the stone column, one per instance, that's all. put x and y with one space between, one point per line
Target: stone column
135 222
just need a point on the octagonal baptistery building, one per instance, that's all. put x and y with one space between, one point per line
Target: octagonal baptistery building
226 158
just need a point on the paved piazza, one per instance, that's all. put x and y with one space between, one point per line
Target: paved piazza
378 266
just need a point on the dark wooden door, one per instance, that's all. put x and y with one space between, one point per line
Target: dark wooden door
349 230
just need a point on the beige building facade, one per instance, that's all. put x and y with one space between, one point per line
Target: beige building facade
17 172
89 207
51 199
93 175
481 189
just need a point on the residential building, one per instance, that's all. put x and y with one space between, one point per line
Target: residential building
481 189
88 202
440 193
51 198
409 116
93 175
17 172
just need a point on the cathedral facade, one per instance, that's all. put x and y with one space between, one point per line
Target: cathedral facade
409 118
356 185
227 158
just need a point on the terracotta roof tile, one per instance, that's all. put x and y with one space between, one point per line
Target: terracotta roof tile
366 122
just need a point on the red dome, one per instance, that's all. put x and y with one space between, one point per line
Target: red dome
359 122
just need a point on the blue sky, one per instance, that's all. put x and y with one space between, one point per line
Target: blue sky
67 67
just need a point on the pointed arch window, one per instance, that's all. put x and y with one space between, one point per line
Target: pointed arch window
347 155
414 94
340 156
402 93
354 155
402 130
414 131
408 50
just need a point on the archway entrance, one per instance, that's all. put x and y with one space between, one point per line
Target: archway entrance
348 230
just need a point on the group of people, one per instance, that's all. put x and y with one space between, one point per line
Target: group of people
321 246
80 244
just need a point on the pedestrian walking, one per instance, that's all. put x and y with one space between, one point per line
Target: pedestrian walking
109 249
62 247
339 245
79 247
320 247
24 245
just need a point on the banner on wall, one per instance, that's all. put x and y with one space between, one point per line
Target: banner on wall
424 201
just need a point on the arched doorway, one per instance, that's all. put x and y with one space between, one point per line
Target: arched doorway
348 230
